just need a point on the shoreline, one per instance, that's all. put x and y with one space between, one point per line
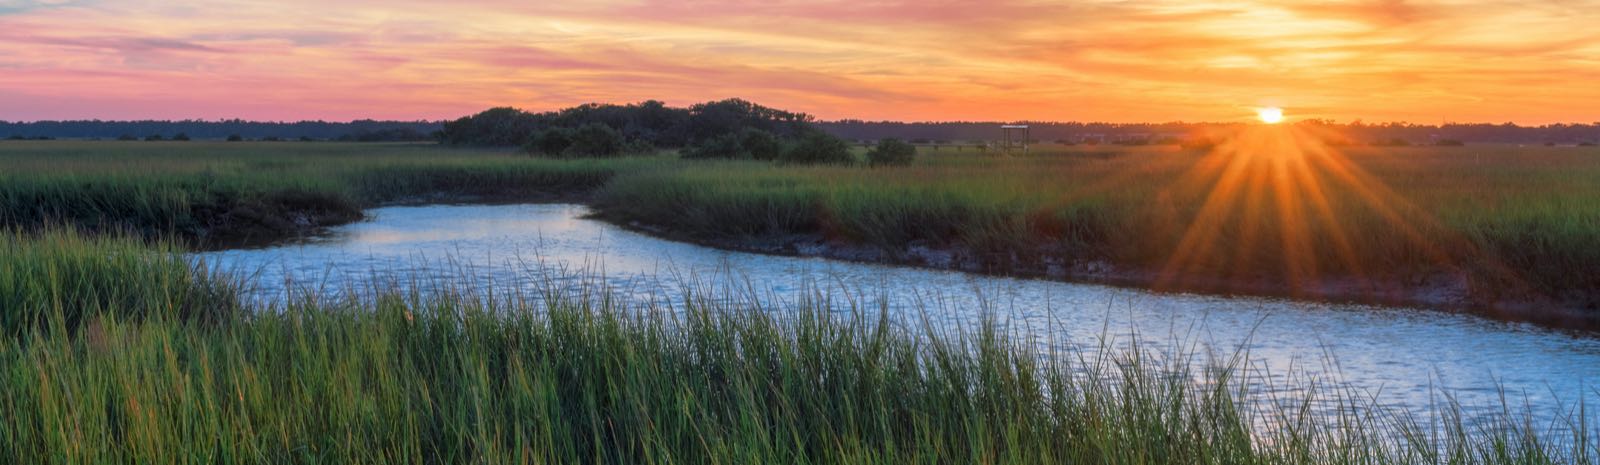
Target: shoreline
1439 292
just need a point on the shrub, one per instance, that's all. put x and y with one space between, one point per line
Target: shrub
127 137
182 136
1448 143
595 140
891 152
746 144
817 147
549 141
761 145
724 146
154 137
587 141
235 138
17 137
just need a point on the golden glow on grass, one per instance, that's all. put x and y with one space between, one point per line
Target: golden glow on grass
1281 188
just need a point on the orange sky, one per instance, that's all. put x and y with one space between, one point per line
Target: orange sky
1461 60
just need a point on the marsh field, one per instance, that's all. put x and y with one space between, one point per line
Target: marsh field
1502 230
118 348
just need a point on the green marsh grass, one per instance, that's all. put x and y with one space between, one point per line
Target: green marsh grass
1512 219
580 376
269 189
1498 223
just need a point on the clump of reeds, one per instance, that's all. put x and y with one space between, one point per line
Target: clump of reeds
577 375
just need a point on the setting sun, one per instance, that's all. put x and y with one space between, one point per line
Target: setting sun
1270 115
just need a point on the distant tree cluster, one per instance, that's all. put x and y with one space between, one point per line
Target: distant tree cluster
725 129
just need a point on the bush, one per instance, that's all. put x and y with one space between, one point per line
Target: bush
549 141
588 141
595 140
154 137
891 152
727 146
746 144
235 138
127 137
17 137
182 136
761 145
817 147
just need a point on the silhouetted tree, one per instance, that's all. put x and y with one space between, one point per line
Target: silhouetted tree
761 145
726 146
817 147
595 140
891 152
549 141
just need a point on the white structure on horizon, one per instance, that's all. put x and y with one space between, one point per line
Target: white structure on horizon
1014 137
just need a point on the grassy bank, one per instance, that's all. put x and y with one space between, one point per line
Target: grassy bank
580 378
1495 224
224 192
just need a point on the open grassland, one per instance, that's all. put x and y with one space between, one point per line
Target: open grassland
113 354
1501 227
224 192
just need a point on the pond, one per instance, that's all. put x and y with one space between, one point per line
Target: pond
1402 357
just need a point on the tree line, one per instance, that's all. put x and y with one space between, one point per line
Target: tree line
736 128
1357 132
358 130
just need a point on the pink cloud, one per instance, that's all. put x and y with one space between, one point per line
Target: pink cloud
1480 60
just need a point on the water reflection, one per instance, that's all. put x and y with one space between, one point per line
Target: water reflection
1398 355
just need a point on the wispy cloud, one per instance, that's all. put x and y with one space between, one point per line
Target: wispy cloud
20 6
1465 60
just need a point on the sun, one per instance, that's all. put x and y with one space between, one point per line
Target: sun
1270 115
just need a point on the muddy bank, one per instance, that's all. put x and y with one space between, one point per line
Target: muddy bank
1439 291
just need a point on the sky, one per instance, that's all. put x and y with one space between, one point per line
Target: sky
1530 62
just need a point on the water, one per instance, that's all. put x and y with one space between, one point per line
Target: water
1401 357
